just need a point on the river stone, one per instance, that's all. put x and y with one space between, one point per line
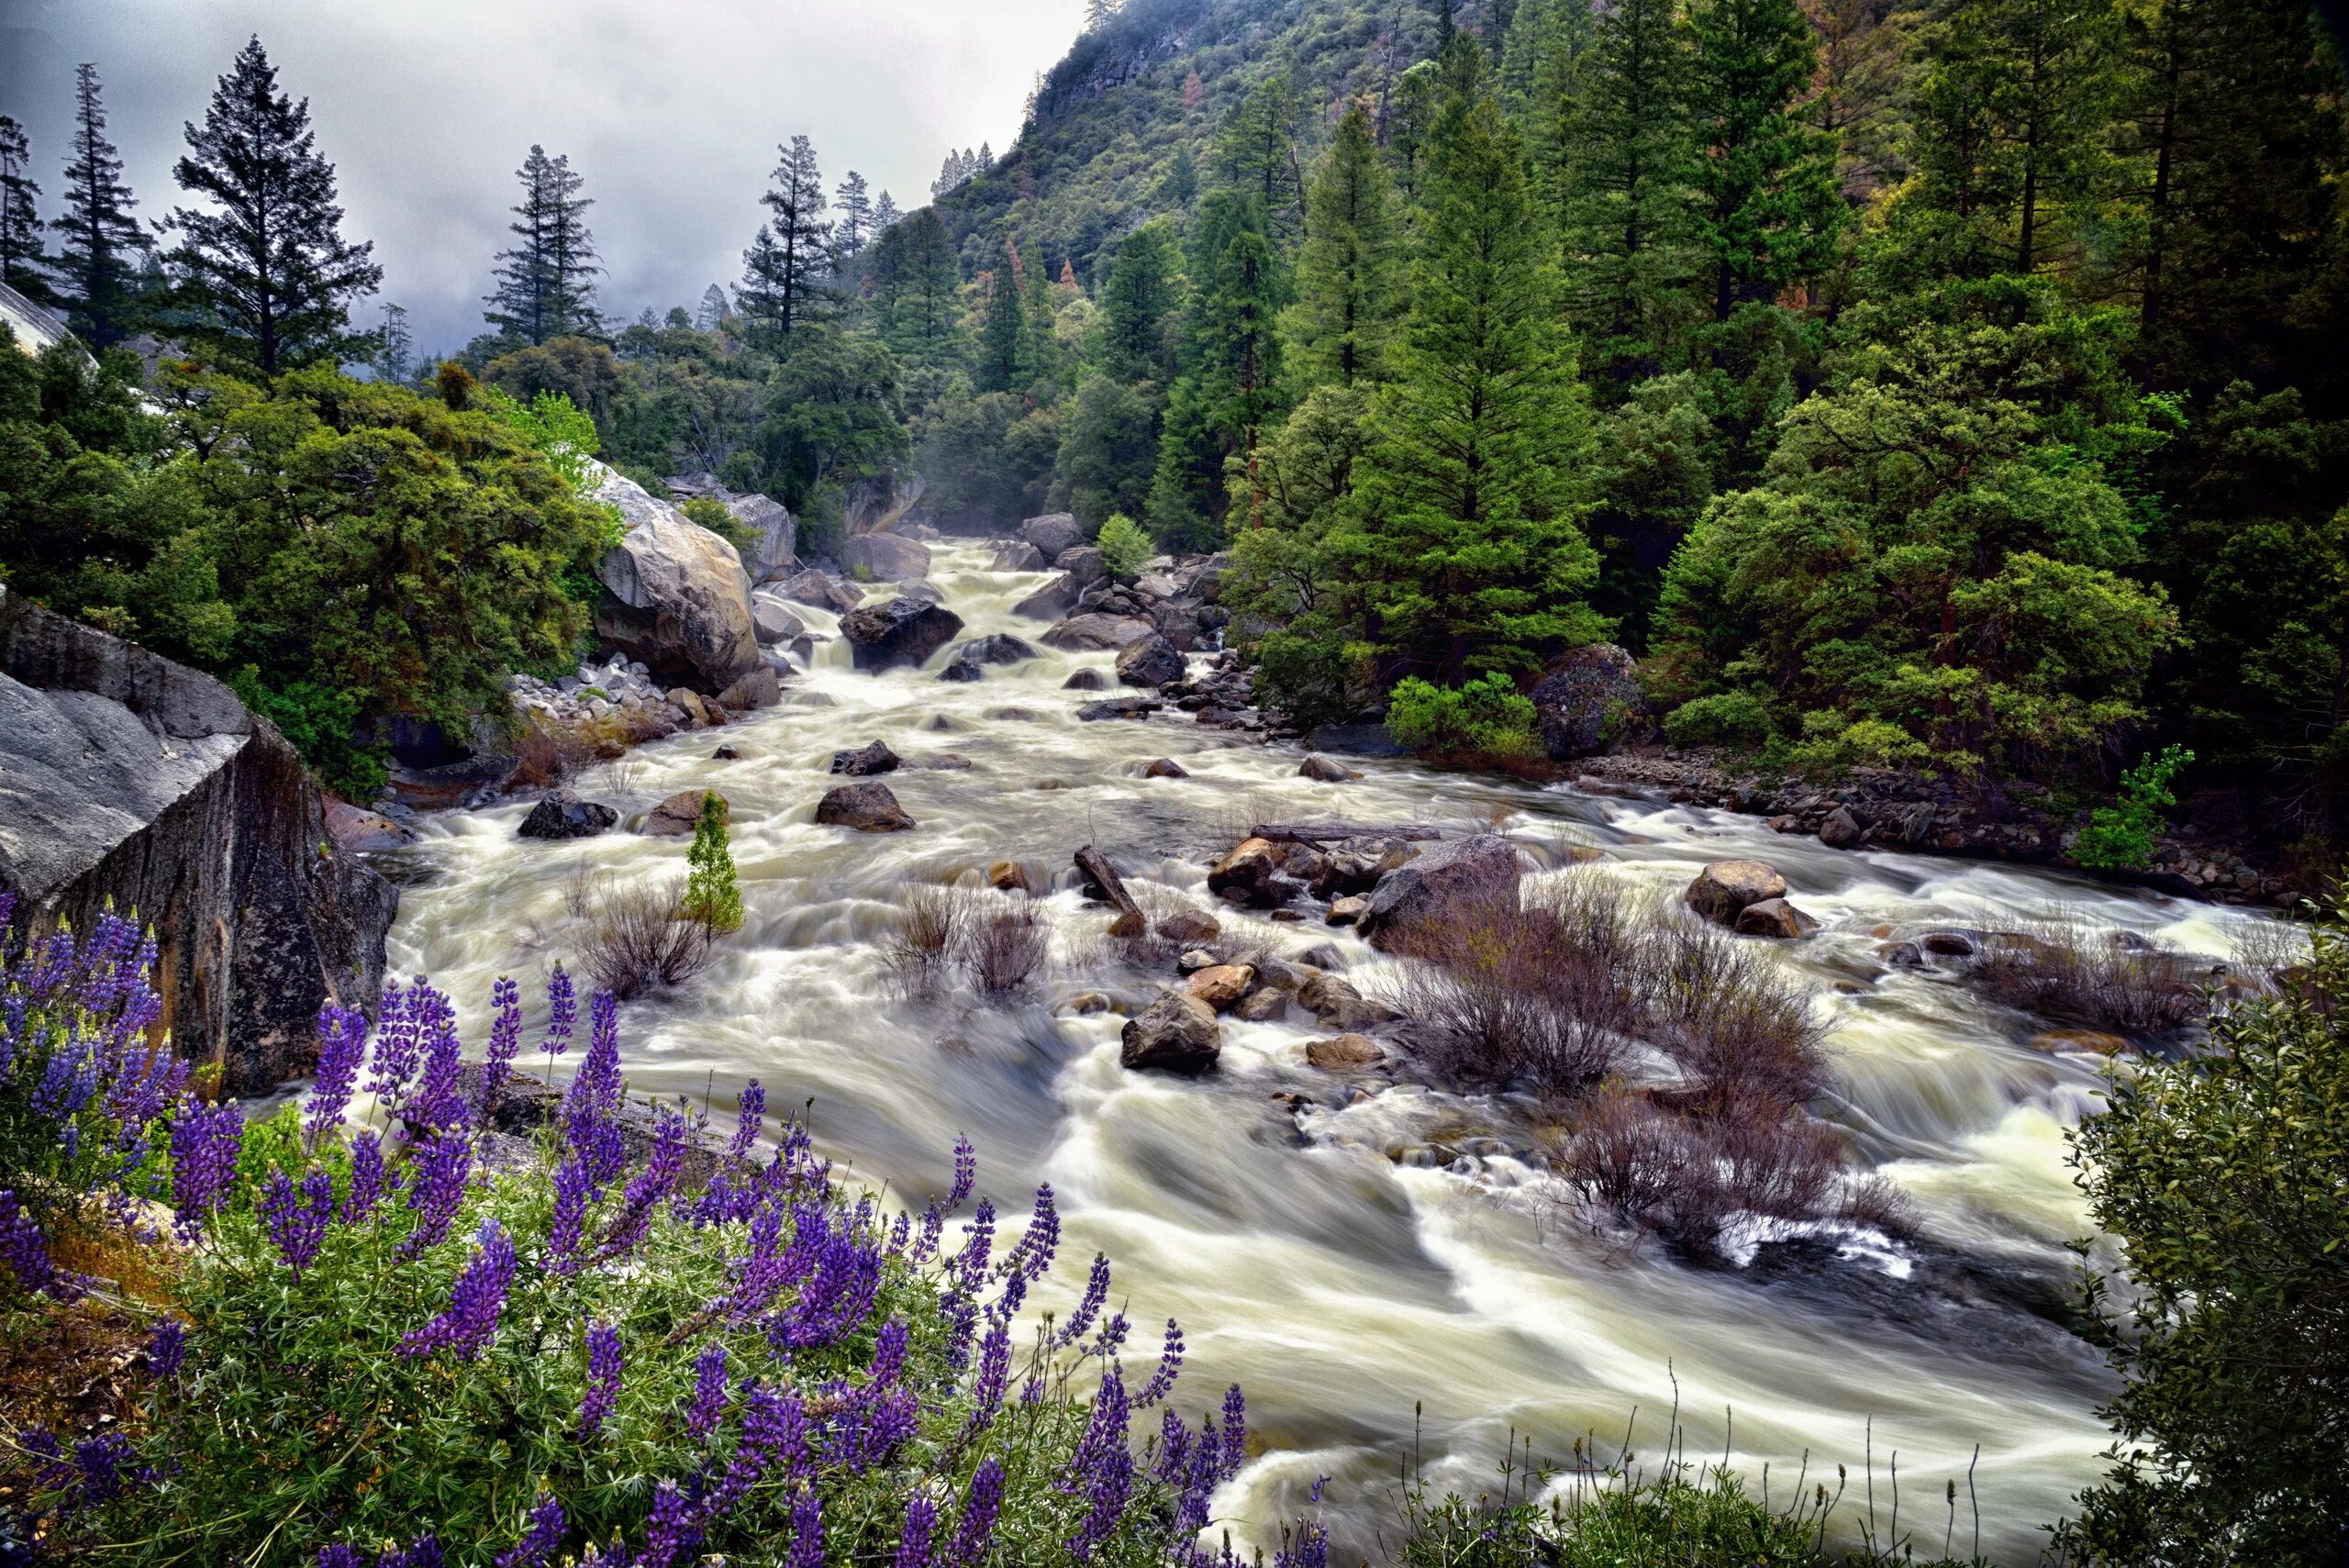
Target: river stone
1189 926
1588 701
127 779
560 814
727 754
809 587
1249 875
1148 661
1103 885
359 832
1841 830
774 622
1051 602
1179 1033
898 631
1324 770
1084 566
675 595
1093 633
1347 910
1773 917
963 670
1339 1006
1164 768
1118 707
868 807
1008 876
1220 985
1724 887
761 688
1053 533
999 647
876 758
1085 680
1261 1005
1018 556
1419 905
1343 1053
2056 1041
676 817
885 557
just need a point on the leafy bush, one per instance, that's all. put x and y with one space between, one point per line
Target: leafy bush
1124 545
2225 1176
712 896
2119 836
1736 719
1486 717
551 424
710 513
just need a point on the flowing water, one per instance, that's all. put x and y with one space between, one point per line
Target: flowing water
1323 1258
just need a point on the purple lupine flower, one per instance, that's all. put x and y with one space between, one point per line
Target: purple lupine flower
562 1012
1205 1473
1102 1469
995 1376
649 1186
297 1218
1235 1431
167 1347
474 1304
888 1354
774 1433
1032 1253
397 1041
594 1095
970 1264
967 1174
369 1179
891 1418
1088 1307
1173 1449
542 1534
708 1402
900 1232
1112 1335
505 1044
925 1248
437 1189
974 1532
750 1117
573 1192
602 1395
437 1103
837 1296
24 1246
674 1531
1311 1547
103 1468
342 1050
339 1556
807 1531
1104 1427
1169 1367
424 1551
913 1539
205 1143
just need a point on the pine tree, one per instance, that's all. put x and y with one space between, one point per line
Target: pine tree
1550 44
1141 290
1347 283
802 237
1098 13
23 261
1465 540
1040 352
885 215
1256 149
544 285
985 159
1768 209
1231 385
395 361
264 264
759 297
713 309
1625 206
713 896
915 278
100 244
572 252
1181 186
856 215
1003 340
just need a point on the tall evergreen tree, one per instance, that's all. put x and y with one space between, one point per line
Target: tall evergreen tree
1625 206
545 284
802 236
856 215
100 245
395 360
1541 85
1145 276
1347 277
1466 539
1230 388
264 265
1098 13
1003 340
759 297
885 215
916 279
1256 149
23 258
712 310
1041 352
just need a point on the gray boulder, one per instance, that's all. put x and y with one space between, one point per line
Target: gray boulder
1050 602
560 814
1002 648
904 630
127 779
1724 889
1085 565
1018 556
873 758
772 622
774 551
963 670
1589 701
1419 905
810 587
1095 632
1053 533
1179 1033
868 807
1148 661
1085 680
675 595
885 557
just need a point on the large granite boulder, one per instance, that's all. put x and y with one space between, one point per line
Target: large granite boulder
775 533
1589 701
868 807
1420 906
903 630
1083 566
675 595
1051 602
885 557
128 779
1725 889
772 622
1053 533
1179 1033
1018 556
1094 631
1148 661
561 813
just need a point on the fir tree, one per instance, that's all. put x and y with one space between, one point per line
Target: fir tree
1466 539
1140 291
713 896
885 215
1230 384
1003 340
1041 352
544 285
265 265
1098 13
712 311
1181 186
1768 209
759 297
1256 149
1347 282
915 278
23 260
802 237
100 244
1550 43
856 215
395 360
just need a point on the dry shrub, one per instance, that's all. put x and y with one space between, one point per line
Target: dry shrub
923 938
999 941
1002 947
1623 1156
1742 1031
2068 971
1683 1178
638 936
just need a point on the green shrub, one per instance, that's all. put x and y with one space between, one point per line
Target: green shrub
2119 836
1486 717
711 514
712 896
1736 719
558 430
1124 545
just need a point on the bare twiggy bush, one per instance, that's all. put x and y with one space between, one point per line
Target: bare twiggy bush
923 938
1738 1027
999 942
1622 1156
1684 1179
1876 1202
638 936
1002 944
2068 971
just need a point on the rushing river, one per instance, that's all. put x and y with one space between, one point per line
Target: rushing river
1324 1260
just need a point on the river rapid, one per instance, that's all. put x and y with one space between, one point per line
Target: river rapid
1328 1258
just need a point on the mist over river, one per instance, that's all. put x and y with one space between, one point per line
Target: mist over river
1329 1258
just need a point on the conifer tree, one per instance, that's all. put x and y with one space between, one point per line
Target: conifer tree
23 258
1256 149
856 215
802 237
264 265
1768 209
759 297
100 245
1098 13
1003 340
713 895
1347 278
1550 43
545 286
1231 385
885 215
915 278
1040 352
712 311
1465 537
1141 290
395 361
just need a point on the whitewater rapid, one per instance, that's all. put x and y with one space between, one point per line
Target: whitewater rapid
1326 1261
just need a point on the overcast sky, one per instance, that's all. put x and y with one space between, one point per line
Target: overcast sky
671 108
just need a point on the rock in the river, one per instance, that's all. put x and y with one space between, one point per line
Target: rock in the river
1096 632
1250 875
560 814
727 754
1324 770
873 758
1417 906
1018 556
1177 1034
761 688
1051 602
1221 986
1773 917
868 807
1725 887
898 631
1347 909
359 832
1188 928
1589 701
885 557
1343 1053
1339 1006
1085 680
1148 661
1261 1005
1118 707
1053 533
1083 566
675 595
1103 885
772 620
131 780
1001 648
963 670
811 587
676 817
1164 768
1841 830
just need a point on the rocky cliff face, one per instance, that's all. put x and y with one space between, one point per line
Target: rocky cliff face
125 777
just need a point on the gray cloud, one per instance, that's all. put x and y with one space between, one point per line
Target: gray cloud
672 110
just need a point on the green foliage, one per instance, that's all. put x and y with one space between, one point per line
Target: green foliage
550 422
1230 384
2224 1174
323 723
832 417
2119 836
988 459
1486 718
712 896
709 512
1124 545
1108 449
1737 719
1348 278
